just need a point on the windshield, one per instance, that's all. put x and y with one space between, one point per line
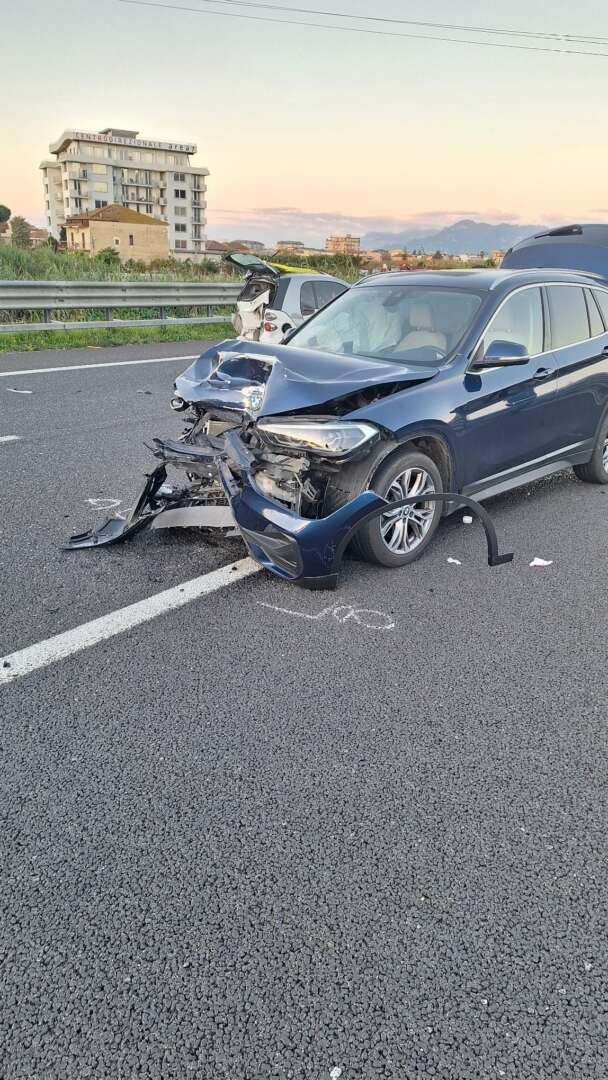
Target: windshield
419 324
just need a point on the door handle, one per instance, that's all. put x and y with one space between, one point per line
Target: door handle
542 373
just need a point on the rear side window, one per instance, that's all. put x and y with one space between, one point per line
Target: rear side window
595 319
602 299
569 321
519 320
326 291
308 303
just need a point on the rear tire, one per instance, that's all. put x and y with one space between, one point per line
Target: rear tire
401 537
595 471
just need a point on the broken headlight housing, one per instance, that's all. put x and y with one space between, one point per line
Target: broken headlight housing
331 438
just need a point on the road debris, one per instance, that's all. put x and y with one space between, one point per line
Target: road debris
14 390
541 562
467 520
455 562
335 1073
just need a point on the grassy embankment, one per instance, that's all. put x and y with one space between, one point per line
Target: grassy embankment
44 264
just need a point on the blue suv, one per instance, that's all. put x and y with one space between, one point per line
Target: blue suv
405 387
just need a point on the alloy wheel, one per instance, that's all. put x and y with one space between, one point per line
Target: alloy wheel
404 529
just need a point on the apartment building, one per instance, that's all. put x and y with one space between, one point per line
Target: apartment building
89 171
343 245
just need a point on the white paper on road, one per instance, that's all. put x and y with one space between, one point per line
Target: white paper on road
455 562
541 562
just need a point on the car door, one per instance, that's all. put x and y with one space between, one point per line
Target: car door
508 420
580 346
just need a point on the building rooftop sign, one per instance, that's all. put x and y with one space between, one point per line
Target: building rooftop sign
122 140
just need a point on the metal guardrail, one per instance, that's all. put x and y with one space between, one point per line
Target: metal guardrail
50 297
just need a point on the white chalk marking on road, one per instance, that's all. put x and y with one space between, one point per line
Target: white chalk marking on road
18 664
88 367
104 504
10 438
341 613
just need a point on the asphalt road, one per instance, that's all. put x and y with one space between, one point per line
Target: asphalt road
277 834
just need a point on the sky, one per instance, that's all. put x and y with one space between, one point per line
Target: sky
307 131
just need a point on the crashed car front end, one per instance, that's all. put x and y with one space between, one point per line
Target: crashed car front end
277 475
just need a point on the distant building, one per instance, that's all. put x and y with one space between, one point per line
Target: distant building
343 245
131 235
291 245
497 257
92 170
376 258
37 236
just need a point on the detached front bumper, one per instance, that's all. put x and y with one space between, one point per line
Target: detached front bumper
302 550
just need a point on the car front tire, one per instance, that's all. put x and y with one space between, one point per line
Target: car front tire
400 537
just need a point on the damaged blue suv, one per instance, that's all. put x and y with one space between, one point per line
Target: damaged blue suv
403 398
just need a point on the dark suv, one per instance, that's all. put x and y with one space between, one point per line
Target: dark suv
405 387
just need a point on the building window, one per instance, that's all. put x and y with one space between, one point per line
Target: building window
100 186
180 211
180 228
48 204
49 222
181 245
131 240
148 208
116 241
99 203
179 177
179 193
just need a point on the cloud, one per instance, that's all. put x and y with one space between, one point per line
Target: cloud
272 223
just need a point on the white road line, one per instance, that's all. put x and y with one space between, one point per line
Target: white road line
85 367
10 438
20 663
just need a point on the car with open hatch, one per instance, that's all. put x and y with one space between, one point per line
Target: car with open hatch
403 397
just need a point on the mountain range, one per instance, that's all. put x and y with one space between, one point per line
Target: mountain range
462 237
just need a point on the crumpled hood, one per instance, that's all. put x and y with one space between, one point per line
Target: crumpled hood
294 378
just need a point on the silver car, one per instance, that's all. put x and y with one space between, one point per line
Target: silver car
273 302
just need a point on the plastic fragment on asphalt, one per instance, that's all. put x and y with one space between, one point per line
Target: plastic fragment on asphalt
455 562
467 520
144 392
14 390
335 1073
588 966
541 562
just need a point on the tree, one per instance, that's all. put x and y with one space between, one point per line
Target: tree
20 231
108 257
4 213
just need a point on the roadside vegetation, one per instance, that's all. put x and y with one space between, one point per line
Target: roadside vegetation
47 264
78 339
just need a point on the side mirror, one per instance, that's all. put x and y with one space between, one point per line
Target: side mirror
503 353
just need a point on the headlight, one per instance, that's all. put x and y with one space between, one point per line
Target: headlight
333 438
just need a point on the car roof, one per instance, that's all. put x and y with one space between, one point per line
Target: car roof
484 280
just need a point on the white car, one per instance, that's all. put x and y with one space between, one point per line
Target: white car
272 301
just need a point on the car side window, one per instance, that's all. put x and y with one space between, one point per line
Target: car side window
595 319
569 319
308 303
602 299
519 320
326 291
